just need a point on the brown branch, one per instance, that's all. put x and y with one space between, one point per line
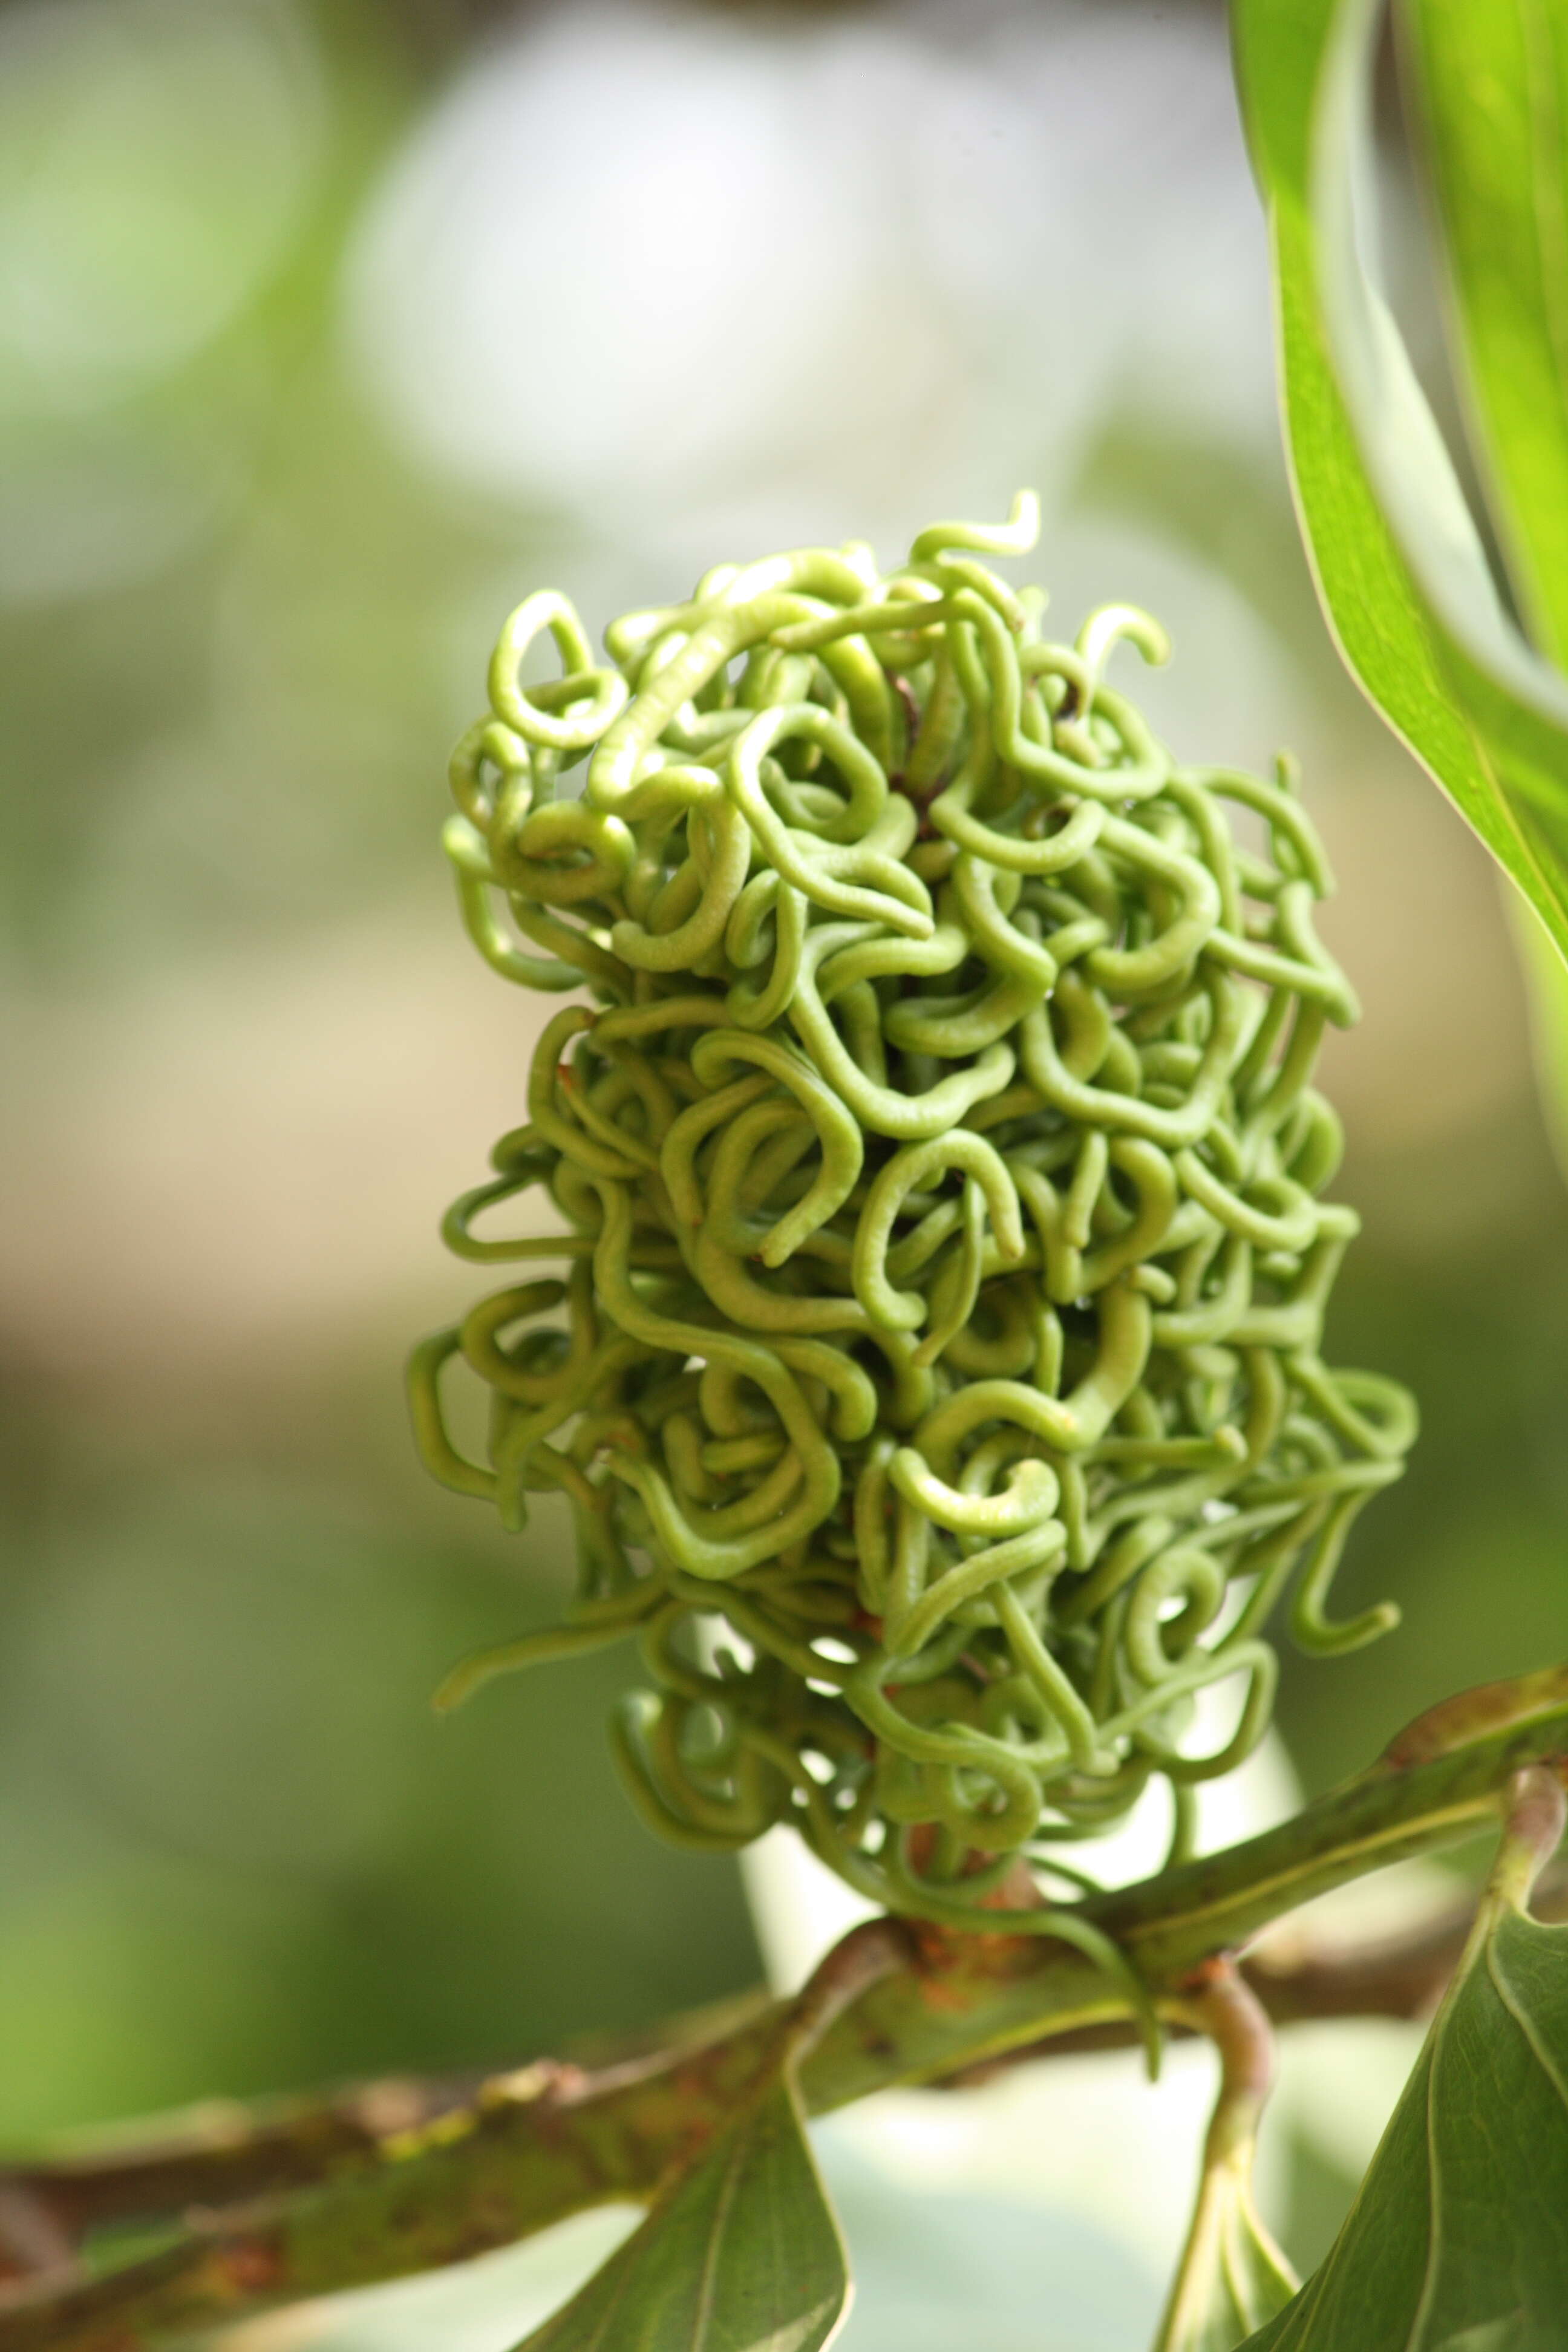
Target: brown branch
225 2153
230 2156
876 1949
31 2237
535 2146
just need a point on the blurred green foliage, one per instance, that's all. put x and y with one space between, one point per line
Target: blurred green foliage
236 1850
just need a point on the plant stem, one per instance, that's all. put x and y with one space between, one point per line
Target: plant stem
1229 2255
538 2146
1441 1781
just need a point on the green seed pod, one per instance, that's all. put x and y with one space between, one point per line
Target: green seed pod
935 1380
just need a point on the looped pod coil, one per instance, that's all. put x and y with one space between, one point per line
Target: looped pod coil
934 1376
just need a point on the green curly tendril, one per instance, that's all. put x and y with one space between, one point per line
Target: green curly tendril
945 1261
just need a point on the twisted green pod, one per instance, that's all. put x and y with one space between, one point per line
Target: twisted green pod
935 1382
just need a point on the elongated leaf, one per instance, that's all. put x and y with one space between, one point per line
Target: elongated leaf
1493 81
1546 988
1459 2240
741 2253
1398 565
1493 77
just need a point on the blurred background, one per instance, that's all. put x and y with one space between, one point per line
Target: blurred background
327 331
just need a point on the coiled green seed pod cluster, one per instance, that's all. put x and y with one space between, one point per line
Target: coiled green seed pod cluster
934 1370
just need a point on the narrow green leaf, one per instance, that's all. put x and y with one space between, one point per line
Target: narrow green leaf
1546 993
1459 2240
741 2253
1493 79
1398 566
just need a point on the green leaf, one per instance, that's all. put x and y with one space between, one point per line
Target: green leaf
1493 82
741 2252
1459 2240
1493 79
1546 993
1399 568
1232 2275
